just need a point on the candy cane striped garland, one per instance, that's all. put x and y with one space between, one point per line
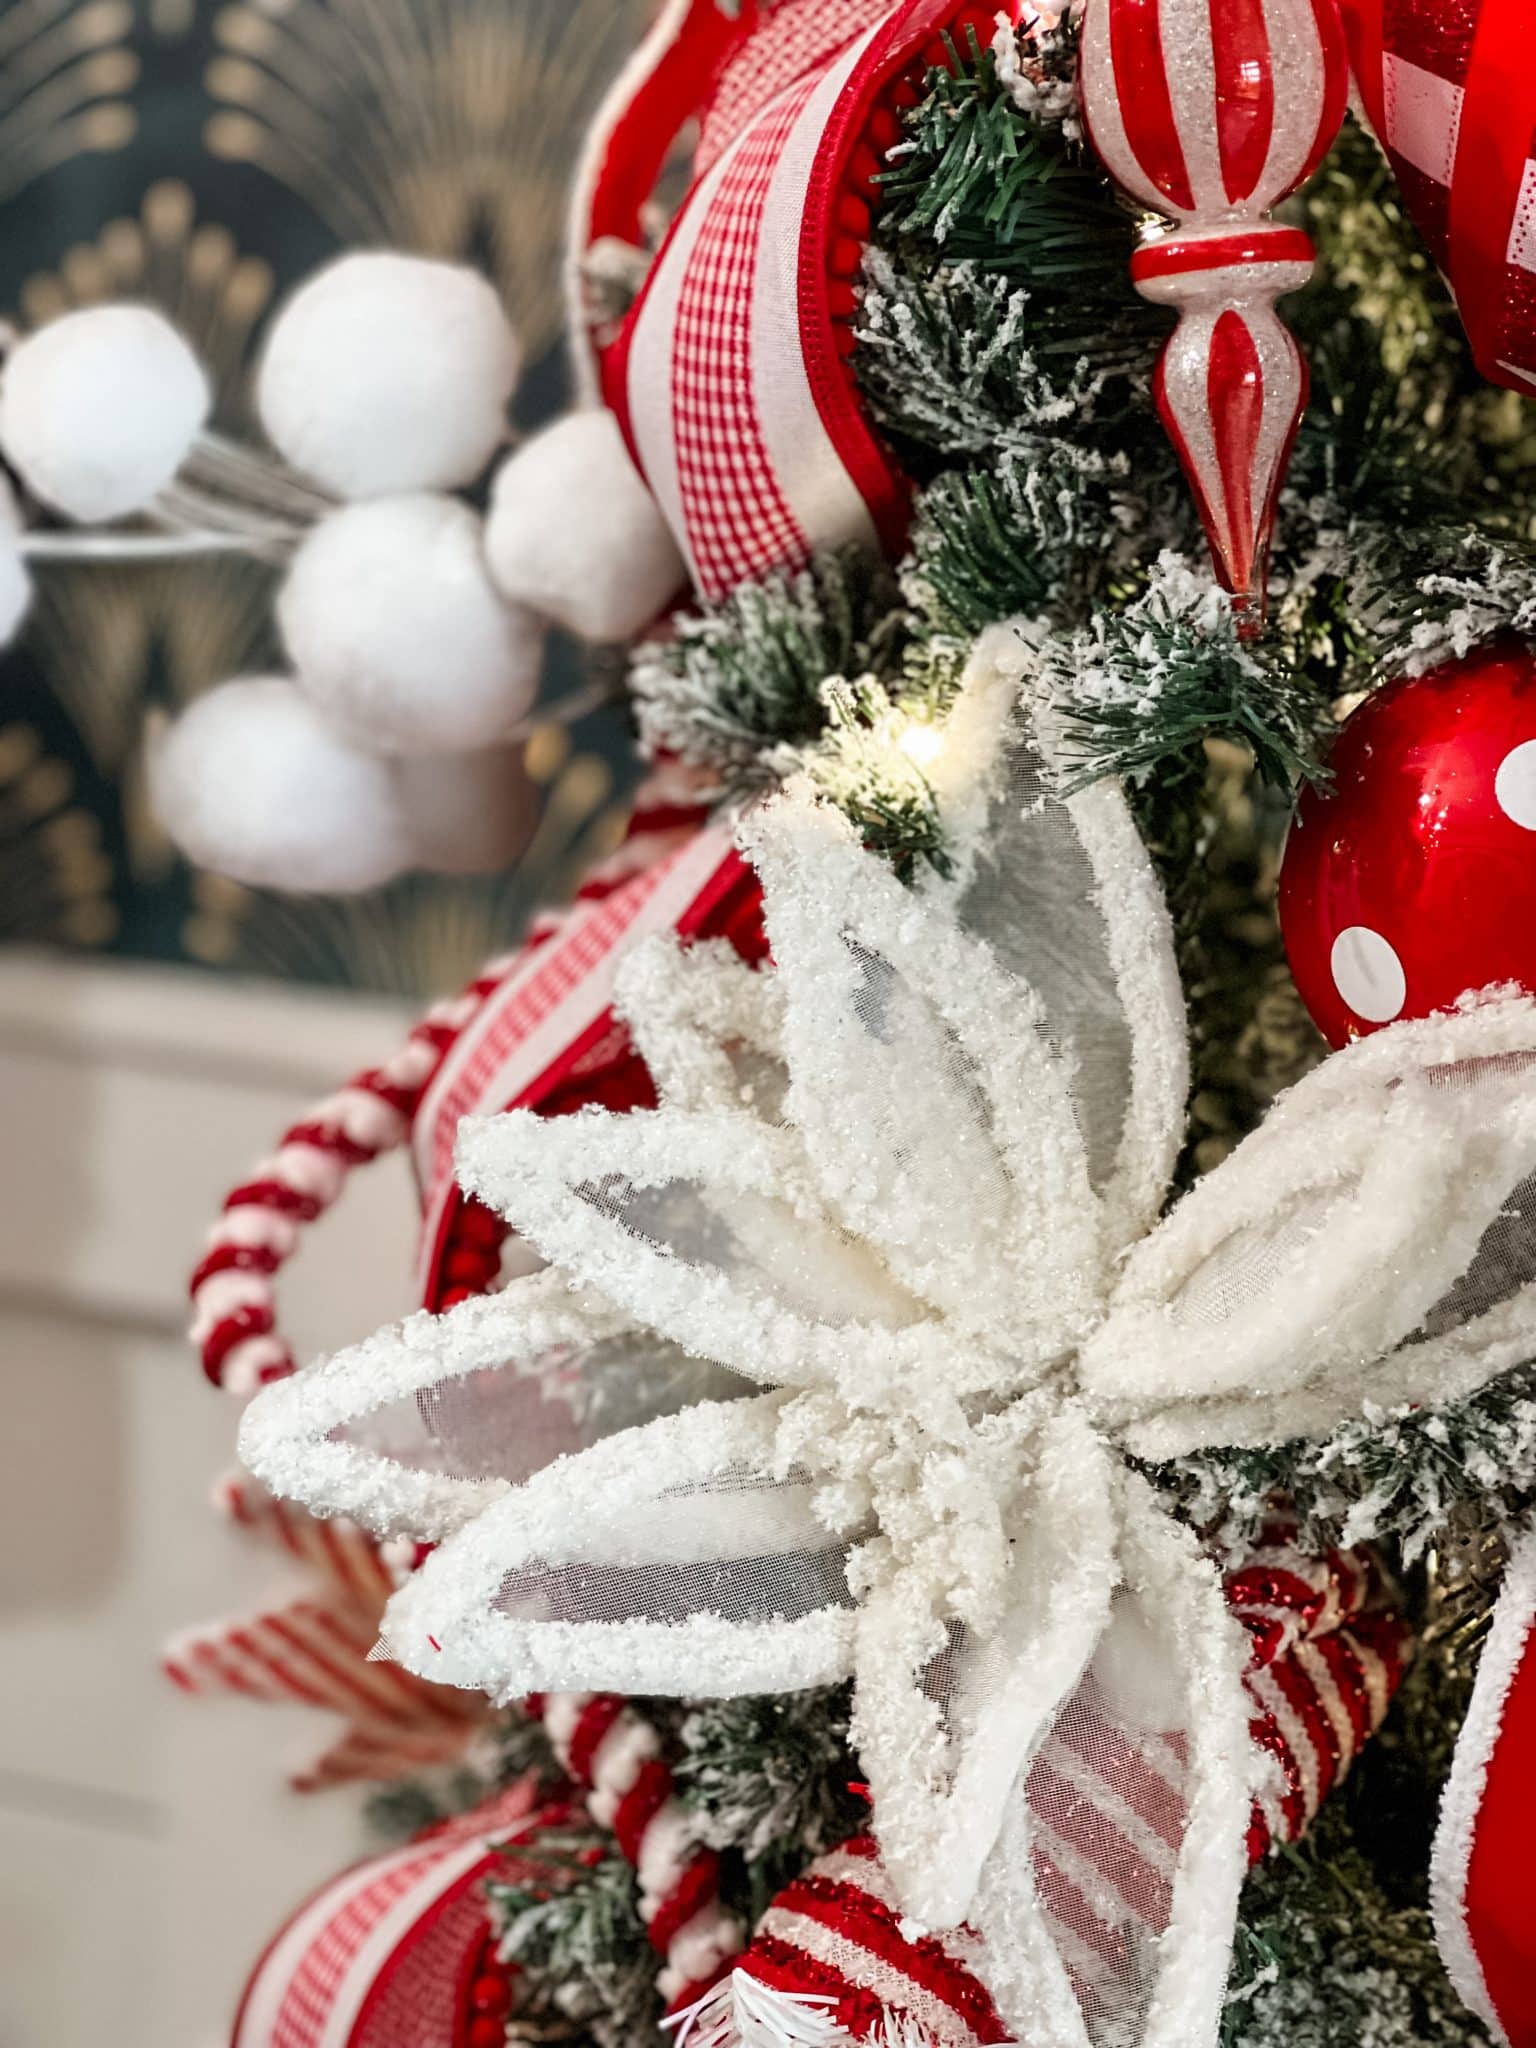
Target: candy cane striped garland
616 1756
234 1299
1329 1651
233 1289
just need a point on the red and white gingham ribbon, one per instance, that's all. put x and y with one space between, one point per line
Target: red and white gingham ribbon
730 378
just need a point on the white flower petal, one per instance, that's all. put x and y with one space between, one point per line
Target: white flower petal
944 1730
933 1111
707 1026
324 1437
700 1224
1373 1242
665 1560
1113 1889
1062 889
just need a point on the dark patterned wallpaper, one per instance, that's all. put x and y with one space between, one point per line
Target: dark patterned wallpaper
203 155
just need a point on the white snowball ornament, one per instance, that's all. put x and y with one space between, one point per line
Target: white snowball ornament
15 583
98 409
574 533
397 633
251 782
388 373
467 814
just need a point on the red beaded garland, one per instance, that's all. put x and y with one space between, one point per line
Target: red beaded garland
492 1995
1411 880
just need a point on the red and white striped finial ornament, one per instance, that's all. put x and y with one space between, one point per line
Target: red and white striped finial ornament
1210 112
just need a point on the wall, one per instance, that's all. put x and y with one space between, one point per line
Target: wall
147 1843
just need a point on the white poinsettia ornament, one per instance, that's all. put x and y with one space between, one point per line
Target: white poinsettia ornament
909 1180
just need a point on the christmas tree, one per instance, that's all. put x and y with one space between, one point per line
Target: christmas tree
1005 1505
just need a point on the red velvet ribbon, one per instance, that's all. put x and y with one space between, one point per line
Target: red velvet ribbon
1500 1908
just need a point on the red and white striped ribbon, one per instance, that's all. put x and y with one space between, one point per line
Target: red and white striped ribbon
394 1950
314 1651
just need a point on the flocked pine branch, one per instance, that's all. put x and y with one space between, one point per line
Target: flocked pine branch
576 1935
1325 1956
1480 586
769 1780
1037 68
1143 687
1017 537
744 677
951 361
868 765
1402 1475
980 175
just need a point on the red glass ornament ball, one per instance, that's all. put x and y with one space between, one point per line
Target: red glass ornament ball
1411 880
487 2033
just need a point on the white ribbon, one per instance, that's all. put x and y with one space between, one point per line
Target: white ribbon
909 1181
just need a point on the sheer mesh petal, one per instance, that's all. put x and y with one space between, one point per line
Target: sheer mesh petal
1063 892
417 1428
1108 1902
1373 1241
703 1225
937 1121
668 1559
944 1723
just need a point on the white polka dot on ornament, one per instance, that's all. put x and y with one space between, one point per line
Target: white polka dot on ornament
98 409
574 533
251 782
1515 785
398 635
388 373
1368 974
1408 883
